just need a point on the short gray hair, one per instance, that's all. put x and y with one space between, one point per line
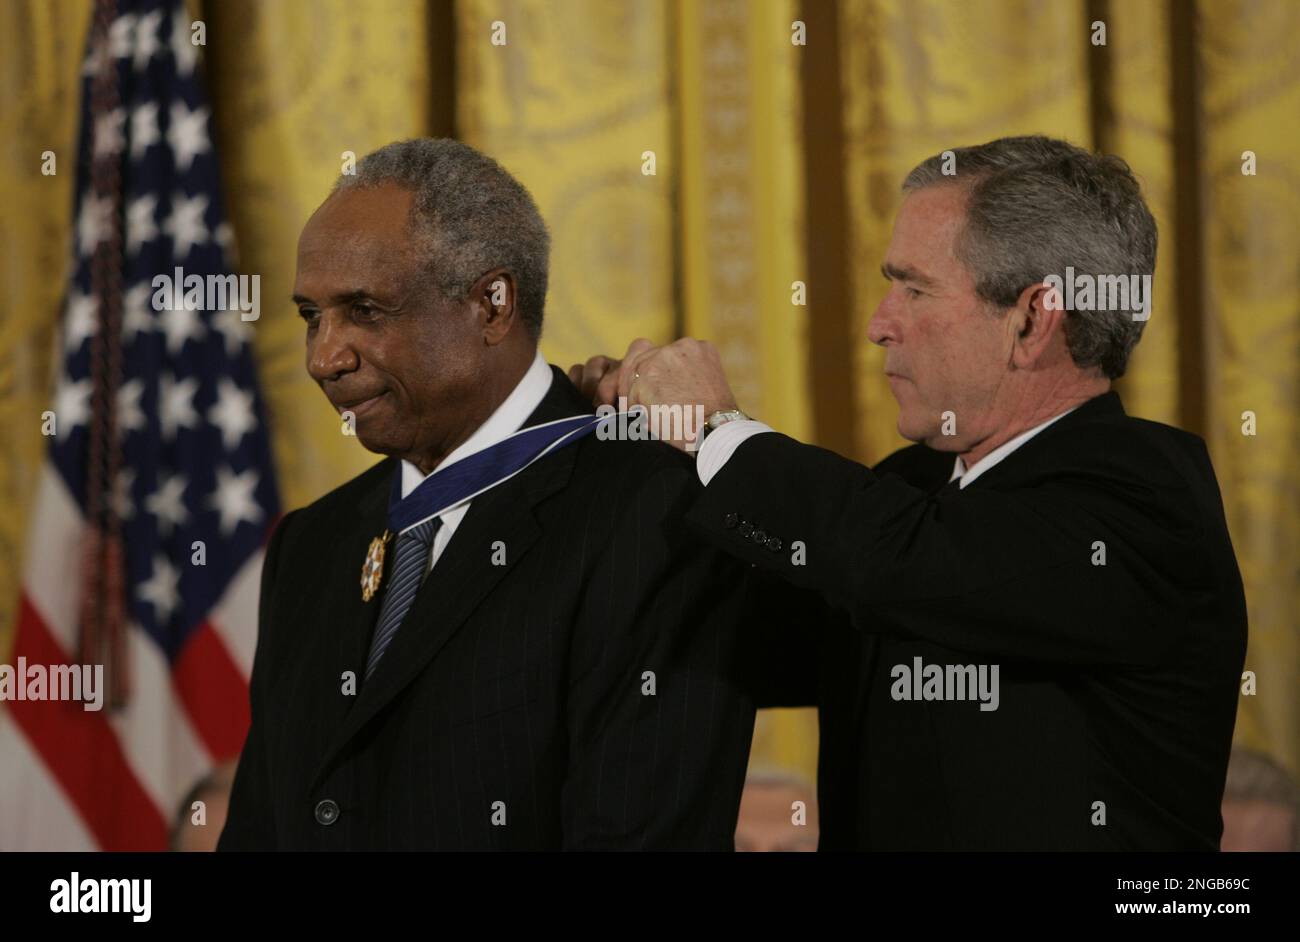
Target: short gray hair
1038 205
469 214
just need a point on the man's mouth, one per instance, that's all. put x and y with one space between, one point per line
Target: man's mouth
359 407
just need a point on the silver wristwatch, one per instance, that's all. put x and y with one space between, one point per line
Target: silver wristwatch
720 418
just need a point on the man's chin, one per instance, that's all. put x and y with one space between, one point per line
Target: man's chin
915 431
929 435
373 440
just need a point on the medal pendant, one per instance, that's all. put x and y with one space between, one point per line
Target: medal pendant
372 571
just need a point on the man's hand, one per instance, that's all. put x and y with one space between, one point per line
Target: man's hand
590 378
686 372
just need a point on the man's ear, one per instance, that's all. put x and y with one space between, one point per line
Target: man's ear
1039 316
493 297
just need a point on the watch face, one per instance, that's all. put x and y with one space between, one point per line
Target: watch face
722 418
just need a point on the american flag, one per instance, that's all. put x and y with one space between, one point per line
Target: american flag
157 494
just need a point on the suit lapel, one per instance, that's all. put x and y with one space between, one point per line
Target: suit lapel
463 575
360 616
347 621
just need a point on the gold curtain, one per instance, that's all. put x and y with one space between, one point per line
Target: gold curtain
1247 277
583 120
774 165
40 88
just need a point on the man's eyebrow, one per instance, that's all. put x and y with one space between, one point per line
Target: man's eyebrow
906 273
355 295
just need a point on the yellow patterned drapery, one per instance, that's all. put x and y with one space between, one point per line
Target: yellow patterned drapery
769 169
1248 245
584 122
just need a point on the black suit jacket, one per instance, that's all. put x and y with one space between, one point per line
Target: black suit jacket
1118 682
511 710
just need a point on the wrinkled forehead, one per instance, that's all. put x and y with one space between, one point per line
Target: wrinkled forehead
931 219
357 235
927 231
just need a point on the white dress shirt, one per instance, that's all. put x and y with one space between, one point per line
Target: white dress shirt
968 475
508 418
722 442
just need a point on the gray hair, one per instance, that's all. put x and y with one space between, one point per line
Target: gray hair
469 215
1037 206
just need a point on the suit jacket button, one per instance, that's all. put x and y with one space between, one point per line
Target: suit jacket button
327 812
774 545
730 520
759 537
745 528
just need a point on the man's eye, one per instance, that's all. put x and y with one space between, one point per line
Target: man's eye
912 292
308 315
364 311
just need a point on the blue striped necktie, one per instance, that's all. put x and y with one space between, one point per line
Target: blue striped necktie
410 563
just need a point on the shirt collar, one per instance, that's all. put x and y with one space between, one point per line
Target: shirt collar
508 418
968 475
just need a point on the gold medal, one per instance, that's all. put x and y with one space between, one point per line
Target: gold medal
372 570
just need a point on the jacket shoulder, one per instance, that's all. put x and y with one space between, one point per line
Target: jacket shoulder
631 459
349 493
1130 447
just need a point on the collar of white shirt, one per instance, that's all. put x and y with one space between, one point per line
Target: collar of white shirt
968 475
508 418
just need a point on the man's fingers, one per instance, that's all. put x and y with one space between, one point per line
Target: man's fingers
637 351
604 379
627 372
596 377
587 376
637 347
598 370
607 389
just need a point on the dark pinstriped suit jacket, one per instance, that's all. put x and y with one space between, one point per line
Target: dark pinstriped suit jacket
510 692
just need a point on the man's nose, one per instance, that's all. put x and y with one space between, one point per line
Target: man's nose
883 324
329 352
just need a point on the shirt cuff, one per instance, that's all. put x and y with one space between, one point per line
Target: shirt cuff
720 444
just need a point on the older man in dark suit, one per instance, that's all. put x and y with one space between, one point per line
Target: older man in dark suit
1032 621
502 636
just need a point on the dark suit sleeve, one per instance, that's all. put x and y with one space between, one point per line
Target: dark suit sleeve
250 822
659 726
999 572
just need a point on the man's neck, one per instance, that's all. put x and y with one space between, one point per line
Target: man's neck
1044 409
